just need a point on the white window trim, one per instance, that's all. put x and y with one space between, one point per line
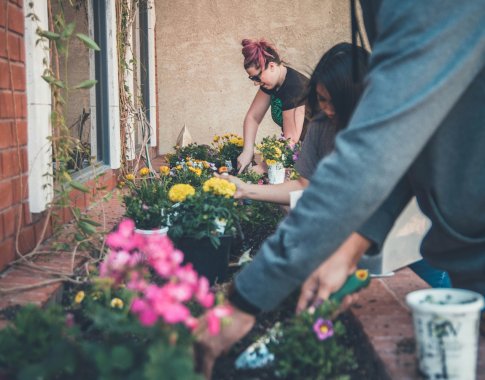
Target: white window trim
39 108
151 72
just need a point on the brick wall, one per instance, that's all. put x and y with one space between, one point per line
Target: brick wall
14 205
13 133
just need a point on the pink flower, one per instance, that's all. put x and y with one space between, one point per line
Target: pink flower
203 294
124 237
214 317
191 323
323 328
145 313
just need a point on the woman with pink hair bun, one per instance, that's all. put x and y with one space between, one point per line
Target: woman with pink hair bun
281 87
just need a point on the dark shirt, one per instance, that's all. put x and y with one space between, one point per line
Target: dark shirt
290 95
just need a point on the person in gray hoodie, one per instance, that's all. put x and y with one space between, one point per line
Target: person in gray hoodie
419 129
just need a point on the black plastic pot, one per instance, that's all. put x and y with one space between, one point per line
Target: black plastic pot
207 260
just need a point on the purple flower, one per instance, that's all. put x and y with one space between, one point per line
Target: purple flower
323 328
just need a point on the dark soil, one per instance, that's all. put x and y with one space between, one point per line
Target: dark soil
367 367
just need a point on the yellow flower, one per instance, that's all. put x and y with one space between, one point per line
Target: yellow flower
236 140
362 274
130 177
205 164
79 297
198 171
164 170
216 138
121 184
117 303
270 162
178 167
180 192
219 186
144 172
277 151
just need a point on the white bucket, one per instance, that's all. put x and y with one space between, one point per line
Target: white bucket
161 231
276 173
446 323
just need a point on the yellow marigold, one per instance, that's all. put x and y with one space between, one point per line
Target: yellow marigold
144 172
270 162
130 177
180 192
277 151
216 138
79 297
164 170
236 141
219 186
117 303
198 171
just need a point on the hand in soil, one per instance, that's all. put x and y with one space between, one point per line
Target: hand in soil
208 347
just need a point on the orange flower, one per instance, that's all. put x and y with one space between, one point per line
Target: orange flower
223 169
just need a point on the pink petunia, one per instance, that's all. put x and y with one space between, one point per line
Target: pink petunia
214 317
323 328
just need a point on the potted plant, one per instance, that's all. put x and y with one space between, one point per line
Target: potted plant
147 201
191 171
278 154
203 224
192 151
229 147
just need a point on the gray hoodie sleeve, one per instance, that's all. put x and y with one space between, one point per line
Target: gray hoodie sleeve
425 56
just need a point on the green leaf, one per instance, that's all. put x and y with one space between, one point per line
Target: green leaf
90 221
86 84
88 41
49 79
67 32
121 357
48 34
87 228
79 186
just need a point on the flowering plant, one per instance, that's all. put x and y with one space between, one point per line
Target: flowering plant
147 199
131 322
191 171
192 151
320 342
279 150
166 300
229 146
207 212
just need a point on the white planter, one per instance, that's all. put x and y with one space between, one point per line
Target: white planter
446 323
160 231
276 173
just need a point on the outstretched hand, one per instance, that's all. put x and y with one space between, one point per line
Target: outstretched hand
208 347
240 184
332 274
244 160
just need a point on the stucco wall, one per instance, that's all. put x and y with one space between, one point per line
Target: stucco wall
201 80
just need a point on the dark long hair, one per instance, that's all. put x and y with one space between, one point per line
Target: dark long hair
334 71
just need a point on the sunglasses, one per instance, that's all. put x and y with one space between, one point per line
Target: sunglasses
256 78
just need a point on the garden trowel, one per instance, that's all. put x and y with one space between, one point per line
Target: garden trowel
257 355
